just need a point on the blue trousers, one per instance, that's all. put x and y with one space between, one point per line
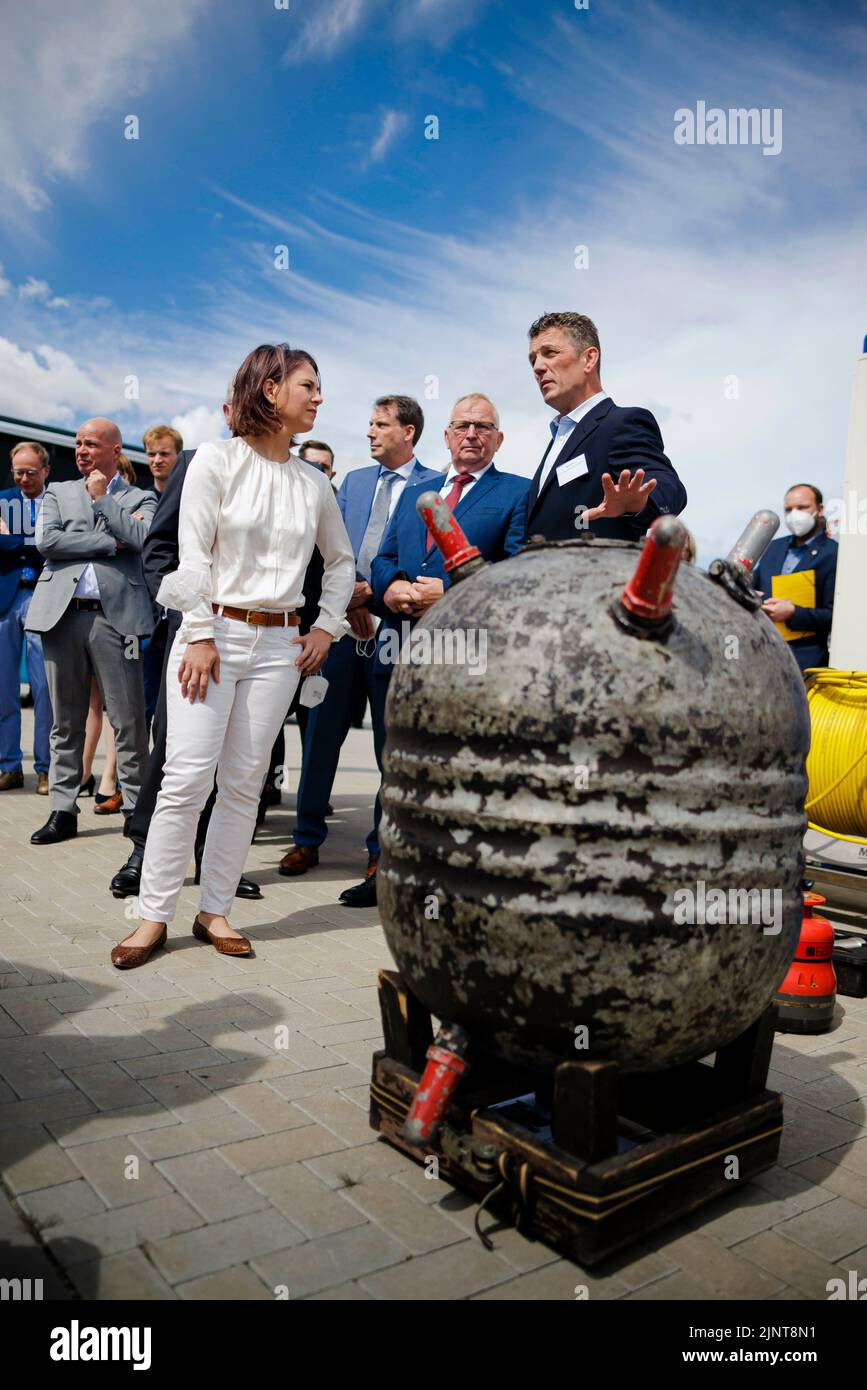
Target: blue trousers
327 727
12 639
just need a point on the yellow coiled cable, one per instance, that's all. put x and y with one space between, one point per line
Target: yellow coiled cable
837 765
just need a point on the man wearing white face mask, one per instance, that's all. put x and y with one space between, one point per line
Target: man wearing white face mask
797 574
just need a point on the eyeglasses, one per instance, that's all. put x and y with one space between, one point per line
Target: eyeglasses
26 472
464 426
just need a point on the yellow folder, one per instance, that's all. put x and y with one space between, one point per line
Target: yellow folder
800 589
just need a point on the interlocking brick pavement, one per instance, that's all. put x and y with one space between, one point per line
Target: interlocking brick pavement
197 1129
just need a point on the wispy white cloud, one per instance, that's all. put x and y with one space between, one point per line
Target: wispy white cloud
41 290
331 25
393 122
198 425
326 28
65 68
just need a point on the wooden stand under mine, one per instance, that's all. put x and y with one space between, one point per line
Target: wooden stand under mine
602 1158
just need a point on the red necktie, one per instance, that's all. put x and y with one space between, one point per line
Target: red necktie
452 500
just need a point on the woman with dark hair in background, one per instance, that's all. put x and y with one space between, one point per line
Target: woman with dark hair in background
250 515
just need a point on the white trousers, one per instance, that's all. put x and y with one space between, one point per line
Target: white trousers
231 732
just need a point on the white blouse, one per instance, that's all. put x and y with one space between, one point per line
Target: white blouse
246 533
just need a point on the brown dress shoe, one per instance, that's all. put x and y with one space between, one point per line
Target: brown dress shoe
299 860
226 945
128 957
107 805
10 780
371 866
42 784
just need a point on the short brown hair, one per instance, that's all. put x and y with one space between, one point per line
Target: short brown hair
126 469
252 413
407 412
160 432
578 327
39 450
812 486
316 444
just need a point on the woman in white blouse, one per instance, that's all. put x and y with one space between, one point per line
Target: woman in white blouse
250 515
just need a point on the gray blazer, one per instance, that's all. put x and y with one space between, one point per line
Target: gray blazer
70 531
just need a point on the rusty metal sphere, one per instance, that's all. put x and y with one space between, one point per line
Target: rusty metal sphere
543 817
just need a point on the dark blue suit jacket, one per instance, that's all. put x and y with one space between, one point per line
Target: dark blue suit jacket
492 514
355 498
14 506
611 438
819 554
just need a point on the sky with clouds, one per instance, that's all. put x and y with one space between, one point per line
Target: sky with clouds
728 285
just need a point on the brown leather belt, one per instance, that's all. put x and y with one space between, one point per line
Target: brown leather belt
258 618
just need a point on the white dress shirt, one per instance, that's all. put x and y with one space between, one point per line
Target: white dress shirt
455 473
88 585
246 532
562 427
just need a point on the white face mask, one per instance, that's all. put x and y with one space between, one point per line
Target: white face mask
800 522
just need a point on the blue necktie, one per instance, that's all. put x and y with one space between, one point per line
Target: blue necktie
377 523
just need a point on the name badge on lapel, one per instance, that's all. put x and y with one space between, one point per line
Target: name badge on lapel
575 468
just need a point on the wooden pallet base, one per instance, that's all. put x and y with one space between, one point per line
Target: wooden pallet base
601 1159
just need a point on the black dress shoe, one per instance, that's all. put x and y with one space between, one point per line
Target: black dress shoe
127 880
246 887
362 895
61 825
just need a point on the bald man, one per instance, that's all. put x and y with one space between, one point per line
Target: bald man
92 607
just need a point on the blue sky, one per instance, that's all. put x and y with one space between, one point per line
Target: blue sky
416 265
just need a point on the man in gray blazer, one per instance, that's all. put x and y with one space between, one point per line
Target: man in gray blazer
92 606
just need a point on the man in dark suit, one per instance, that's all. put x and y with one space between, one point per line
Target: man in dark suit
159 558
20 568
408 574
811 554
604 469
163 446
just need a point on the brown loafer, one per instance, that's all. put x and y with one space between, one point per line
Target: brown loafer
42 784
226 945
128 957
299 860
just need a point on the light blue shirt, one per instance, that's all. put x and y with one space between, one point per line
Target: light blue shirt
562 427
29 521
88 586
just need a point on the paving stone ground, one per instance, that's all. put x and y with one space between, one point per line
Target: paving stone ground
156 1144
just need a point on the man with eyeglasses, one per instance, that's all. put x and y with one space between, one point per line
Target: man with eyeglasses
408 573
20 567
367 499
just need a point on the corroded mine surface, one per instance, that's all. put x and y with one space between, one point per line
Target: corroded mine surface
545 818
